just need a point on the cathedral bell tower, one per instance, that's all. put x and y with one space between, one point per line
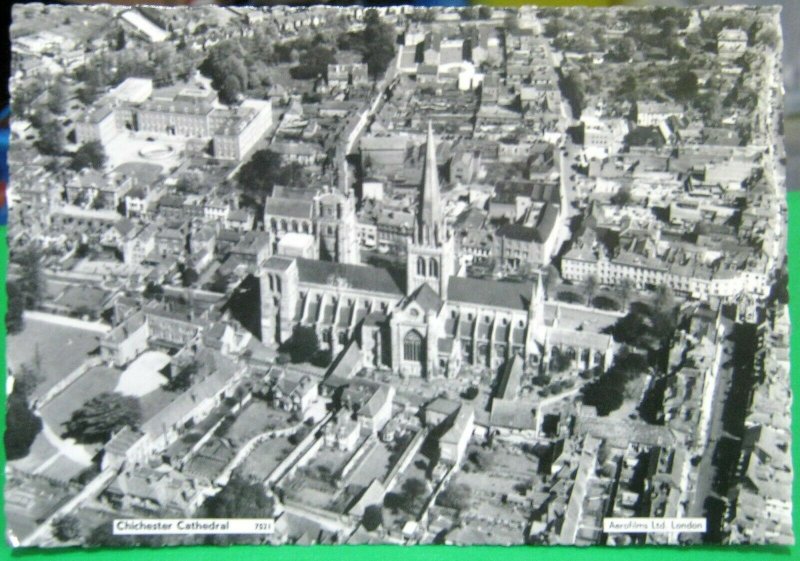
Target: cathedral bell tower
431 250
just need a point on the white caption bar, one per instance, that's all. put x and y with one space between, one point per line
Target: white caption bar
653 525
152 526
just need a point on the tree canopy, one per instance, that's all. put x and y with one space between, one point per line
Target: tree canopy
31 283
264 170
240 498
607 392
22 426
89 155
376 42
51 138
58 97
373 517
15 320
456 496
103 415
67 528
303 345
225 66
184 377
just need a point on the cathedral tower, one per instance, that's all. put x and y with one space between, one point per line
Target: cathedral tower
431 251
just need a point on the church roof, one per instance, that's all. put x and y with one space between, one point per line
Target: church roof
426 298
359 277
510 295
292 208
513 414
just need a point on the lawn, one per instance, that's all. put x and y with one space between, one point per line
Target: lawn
266 457
61 469
374 465
40 451
256 418
92 383
60 349
505 469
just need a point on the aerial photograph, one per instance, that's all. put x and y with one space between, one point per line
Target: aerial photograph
349 275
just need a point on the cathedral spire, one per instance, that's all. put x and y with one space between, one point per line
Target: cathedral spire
429 213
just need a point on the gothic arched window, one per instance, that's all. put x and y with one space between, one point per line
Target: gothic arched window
412 346
434 268
421 266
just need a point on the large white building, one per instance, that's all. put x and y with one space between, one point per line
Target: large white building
185 111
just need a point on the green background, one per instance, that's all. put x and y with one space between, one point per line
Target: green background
452 553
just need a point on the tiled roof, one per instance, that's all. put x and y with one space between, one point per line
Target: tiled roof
359 277
292 208
426 298
510 295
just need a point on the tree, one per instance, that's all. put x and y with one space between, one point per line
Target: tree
231 90
28 378
103 415
303 345
590 287
22 426
32 282
481 459
264 170
15 321
624 50
685 86
90 154
622 197
559 360
153 291
225 59
183 379
456 496
58 97
413 488
664 299
119 39
625 288
606 393
189 276
569 297
574 89
67 528
189 183
240 498
379 40
373 517
51 138
313 63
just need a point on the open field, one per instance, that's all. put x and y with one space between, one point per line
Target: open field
93 383
60 349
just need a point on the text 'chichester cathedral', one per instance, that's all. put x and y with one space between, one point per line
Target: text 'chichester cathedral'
438 323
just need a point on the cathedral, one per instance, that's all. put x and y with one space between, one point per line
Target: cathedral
435 325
